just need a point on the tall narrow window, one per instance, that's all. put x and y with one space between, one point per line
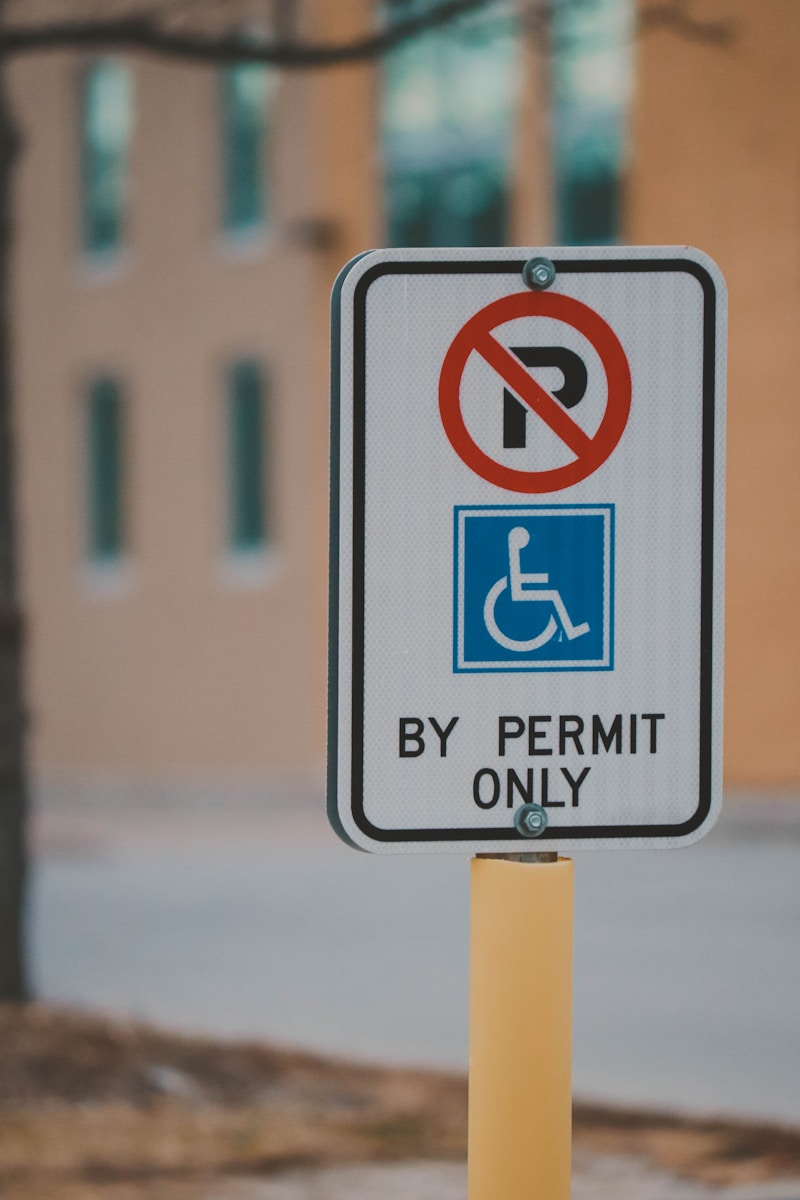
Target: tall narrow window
248 518
106 127
105 437
245 99
449 99
593 76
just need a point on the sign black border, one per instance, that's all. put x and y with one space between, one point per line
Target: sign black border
502 834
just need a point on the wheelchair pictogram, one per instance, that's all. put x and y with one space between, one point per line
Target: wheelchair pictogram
525 589
534 588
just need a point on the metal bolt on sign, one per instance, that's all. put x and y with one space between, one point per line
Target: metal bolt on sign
538 273
530 820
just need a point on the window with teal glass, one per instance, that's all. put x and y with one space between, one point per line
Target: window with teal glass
106 125
592 83
105 449
447 122
248 525
245 99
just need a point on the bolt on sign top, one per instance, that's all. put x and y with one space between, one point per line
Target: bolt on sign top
526 548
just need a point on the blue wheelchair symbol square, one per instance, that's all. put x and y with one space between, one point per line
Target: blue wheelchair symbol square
534 588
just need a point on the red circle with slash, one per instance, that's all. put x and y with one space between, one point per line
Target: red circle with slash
476 336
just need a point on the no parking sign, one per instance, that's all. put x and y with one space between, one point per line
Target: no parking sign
526 549
584 452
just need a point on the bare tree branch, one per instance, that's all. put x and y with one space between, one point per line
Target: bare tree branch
538 18
144 33
675 15
147 31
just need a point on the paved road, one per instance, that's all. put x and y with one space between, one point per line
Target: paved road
687 963
601 1178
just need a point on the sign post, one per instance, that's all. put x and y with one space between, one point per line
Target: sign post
520 1030
526 609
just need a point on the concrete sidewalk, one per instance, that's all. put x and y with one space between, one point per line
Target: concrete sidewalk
594 1178
248 921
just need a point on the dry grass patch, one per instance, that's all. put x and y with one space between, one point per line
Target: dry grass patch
93 1108
718 1152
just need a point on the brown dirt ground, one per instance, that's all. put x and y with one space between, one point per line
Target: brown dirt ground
91 1107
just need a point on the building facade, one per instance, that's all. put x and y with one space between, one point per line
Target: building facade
715 163
178 231
172 429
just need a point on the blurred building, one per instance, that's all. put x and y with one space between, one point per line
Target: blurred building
179 228
715 163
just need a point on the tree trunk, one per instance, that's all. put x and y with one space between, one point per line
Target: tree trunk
13 781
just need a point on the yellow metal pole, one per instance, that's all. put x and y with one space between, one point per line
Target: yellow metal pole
520 1090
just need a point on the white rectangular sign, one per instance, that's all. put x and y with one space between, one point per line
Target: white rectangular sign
526 549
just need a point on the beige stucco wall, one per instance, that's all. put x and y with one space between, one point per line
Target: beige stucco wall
180 667
716 163
182 663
